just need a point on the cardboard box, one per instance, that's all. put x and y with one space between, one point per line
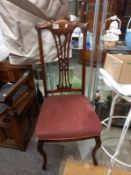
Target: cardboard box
119 67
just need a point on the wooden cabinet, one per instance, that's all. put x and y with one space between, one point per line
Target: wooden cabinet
18 107
127 8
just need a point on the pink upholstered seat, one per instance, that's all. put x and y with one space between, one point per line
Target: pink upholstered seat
67 117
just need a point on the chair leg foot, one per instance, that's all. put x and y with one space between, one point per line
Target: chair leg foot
43 153
98 144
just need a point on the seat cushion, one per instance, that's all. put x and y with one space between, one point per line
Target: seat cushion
67 117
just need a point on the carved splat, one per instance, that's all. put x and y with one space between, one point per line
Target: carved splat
63 45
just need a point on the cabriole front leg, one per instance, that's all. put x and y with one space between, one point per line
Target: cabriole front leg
43 153
97 146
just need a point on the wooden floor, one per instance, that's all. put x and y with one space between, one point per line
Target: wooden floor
77 168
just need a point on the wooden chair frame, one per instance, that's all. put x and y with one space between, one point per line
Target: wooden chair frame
58 28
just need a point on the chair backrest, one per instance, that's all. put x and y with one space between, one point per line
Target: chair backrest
62 31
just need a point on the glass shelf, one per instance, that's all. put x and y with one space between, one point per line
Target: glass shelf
121 47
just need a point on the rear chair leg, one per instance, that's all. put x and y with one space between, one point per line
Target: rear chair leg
43 153
98 144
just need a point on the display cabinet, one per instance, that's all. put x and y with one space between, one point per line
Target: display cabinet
95 12
105 92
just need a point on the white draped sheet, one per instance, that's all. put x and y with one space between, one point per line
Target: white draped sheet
18 19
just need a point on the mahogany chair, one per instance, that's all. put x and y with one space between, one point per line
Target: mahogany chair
63 116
